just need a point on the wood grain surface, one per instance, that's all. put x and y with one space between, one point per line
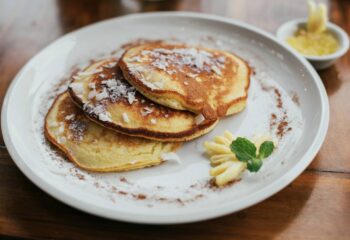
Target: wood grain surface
315 206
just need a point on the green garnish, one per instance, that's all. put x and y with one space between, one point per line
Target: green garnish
245 151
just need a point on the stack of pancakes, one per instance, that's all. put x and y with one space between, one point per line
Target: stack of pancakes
133 112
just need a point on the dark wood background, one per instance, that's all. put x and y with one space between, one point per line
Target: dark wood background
315 206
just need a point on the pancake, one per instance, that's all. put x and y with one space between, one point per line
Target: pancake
109 100
201 80
95 148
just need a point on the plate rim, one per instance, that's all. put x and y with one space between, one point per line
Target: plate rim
218 211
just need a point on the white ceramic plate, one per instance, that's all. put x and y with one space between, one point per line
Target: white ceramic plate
173 192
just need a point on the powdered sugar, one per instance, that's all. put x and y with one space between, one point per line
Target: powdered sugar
178 59
77 127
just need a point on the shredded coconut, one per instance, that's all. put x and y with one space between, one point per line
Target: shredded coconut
91 109
131 97
53 124
92 94
221 59
146 110
216 70
154 121
61 129
170 72
145 52
105 117
118 88
181 58
136 59
61 140
101 95
99 109
75 77
171 156
159 84
70 117
78 88
199 119
160 65
88 73
111 65
191 75
92 85
125 117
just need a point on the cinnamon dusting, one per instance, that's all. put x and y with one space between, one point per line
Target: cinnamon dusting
279 124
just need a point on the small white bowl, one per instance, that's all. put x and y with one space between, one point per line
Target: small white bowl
319 62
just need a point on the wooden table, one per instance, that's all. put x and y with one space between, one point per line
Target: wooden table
315 206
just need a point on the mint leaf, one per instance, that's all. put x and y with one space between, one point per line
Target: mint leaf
254 164
265 149
243 149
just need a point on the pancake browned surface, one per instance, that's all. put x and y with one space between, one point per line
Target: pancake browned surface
202 80
107 98
95 148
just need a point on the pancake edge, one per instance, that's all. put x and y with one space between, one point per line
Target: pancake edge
158 95
70 157
183 136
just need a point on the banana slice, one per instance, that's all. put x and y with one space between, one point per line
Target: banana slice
225 165
318 18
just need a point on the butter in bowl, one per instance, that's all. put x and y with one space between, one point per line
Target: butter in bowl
318 40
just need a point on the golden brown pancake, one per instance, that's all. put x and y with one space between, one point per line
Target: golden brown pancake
202 80
109 100
95 148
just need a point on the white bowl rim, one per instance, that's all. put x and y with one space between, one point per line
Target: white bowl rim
344 42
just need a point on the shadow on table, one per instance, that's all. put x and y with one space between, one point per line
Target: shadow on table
35 214
331 79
